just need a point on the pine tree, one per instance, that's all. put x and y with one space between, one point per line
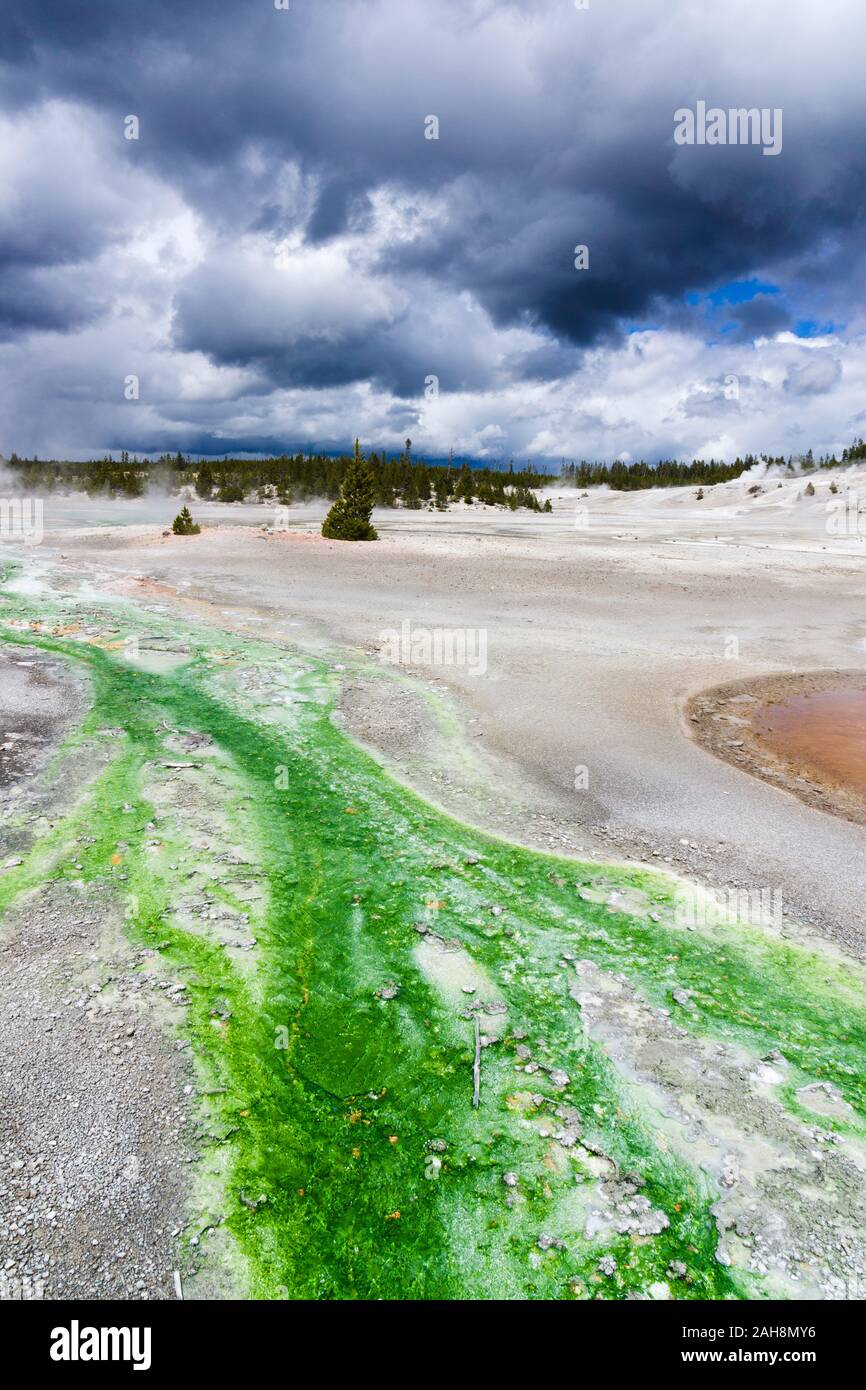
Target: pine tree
204 481
349 518
423 480
183 524
440 487
465 484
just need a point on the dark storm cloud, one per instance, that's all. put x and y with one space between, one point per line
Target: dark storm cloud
292 127
550 157
546 362
342 203
37 299
760 317
202 443
316 319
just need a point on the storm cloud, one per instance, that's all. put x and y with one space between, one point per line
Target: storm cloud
283 255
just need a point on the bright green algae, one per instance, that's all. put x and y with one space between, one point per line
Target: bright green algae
334 1129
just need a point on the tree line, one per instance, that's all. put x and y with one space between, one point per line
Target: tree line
630 477
397 480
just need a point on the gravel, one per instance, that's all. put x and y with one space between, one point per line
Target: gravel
96 1146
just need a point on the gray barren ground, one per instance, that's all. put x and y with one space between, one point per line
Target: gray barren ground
95 1139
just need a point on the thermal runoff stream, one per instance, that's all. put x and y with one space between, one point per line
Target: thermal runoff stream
432 1064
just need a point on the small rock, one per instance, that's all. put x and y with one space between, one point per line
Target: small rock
683 997
546 1242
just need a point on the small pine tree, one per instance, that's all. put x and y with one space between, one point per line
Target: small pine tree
204 481
349 518
440 488
183 524
465 484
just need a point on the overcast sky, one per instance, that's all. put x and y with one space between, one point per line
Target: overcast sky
283 259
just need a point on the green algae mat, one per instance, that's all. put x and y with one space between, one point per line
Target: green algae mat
442 1066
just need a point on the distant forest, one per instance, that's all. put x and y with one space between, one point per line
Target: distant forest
629 477
400 480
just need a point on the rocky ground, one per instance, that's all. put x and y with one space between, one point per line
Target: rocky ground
605 654
98 1135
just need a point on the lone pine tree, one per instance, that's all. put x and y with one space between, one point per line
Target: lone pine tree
183 524
349 518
